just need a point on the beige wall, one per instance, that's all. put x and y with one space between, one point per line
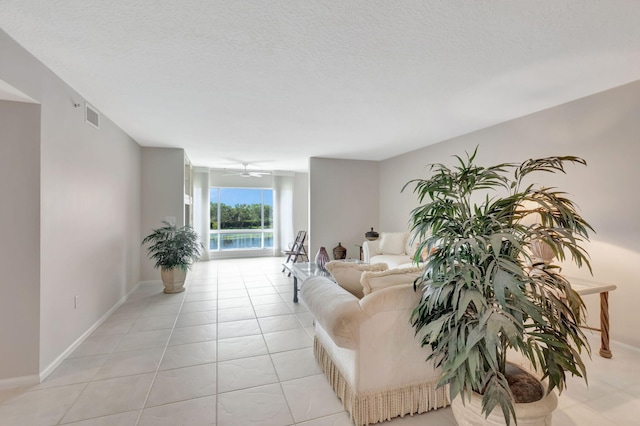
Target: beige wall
344 203
20 248
89 209
162 196
604 129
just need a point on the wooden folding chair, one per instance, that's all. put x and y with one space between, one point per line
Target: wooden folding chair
296 251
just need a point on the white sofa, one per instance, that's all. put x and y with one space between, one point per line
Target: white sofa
367 347
393 248
349 275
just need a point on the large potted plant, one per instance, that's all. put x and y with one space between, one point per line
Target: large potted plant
485 292
174 250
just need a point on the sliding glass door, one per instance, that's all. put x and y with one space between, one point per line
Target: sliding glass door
241 219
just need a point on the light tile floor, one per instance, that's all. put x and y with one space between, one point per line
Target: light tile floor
235 350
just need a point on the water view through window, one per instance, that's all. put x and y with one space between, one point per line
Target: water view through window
241 219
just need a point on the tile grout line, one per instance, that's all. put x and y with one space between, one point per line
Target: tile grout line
91 380
284 395
217 421
155 374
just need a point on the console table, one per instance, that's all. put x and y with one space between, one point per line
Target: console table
584 288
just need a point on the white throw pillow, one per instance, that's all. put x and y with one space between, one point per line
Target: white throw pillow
410 247
347 274
373 281
392 242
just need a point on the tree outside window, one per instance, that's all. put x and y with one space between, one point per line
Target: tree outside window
241 209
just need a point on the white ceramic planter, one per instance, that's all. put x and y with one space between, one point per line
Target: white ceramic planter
528 414
173 279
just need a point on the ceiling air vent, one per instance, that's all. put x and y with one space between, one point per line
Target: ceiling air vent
91 115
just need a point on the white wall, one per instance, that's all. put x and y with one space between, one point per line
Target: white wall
344 203
603 129
89 208
201 202
20 248
162 196
300 203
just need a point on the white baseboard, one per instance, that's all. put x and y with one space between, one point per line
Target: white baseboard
18 382
53 365
237 254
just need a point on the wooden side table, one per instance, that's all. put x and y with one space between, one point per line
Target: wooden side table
584 288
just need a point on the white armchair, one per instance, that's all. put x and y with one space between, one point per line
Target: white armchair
367 347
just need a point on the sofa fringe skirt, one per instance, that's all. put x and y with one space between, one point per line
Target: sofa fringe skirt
382 405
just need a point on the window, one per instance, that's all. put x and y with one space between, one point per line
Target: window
241 219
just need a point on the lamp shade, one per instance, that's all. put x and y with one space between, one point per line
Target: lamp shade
540 251
531 218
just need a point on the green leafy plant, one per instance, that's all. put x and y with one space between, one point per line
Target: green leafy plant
479 295
173 247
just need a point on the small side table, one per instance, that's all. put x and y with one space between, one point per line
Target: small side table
585 287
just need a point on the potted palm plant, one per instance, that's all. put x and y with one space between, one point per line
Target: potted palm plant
174 250
485 294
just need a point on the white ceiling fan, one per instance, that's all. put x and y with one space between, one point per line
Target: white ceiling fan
246 173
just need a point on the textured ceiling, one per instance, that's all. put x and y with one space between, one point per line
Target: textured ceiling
272 83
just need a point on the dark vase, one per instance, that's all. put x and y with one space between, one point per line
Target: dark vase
322 258
339 252
371 235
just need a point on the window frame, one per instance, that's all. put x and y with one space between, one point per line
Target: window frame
262 230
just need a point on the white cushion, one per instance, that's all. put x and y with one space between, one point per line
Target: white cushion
410 247
410 265
392 260
347 274
392 242
373 281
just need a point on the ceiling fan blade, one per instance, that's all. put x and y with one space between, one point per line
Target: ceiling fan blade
245 172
